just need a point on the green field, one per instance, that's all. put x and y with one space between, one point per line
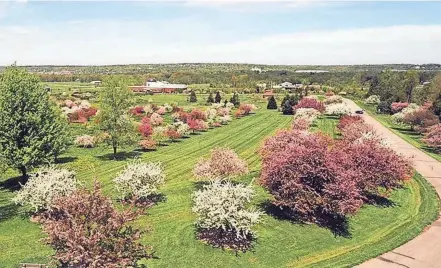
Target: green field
404 132
280 243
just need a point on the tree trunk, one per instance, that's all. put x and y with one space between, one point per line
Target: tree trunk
24 175
114 151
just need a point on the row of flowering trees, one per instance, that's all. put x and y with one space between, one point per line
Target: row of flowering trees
421 119
79 111
155 132
311 175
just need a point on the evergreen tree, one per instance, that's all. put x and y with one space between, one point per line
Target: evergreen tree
218 97
32 132
235 99
288 102
193 97
116 99
210 99
272 104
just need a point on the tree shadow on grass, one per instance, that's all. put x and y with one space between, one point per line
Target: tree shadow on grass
11 184
379 201
64 160
338 225
120 156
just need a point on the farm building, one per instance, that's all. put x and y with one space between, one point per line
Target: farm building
152 86
268 93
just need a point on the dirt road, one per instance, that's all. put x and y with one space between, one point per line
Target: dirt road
425 249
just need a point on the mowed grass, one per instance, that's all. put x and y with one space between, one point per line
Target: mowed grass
405 133
280 243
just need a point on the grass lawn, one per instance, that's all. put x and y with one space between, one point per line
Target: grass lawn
374 230
408 135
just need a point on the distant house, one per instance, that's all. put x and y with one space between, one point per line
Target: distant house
289 85
154 87
268 93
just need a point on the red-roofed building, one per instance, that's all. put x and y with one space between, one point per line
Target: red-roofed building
268 93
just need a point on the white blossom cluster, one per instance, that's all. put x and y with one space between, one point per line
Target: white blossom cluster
148 109
222 205
43 186
333 99
85 141
373 100
309 114
139 179
398 117
225 119
338 109
182 128
168 107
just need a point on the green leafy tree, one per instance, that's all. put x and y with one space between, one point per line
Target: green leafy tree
411 80
210 98
218 97
235 99
288 102
116 99
193 97
32 131
272 104
437 106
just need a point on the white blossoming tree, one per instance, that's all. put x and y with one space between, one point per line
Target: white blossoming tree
43 186
222 210
338 109
139 180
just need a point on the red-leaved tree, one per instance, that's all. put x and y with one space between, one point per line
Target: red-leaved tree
87 231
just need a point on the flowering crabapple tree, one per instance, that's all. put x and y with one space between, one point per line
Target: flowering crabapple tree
87 231
338 109
42 188
397 107
310 103
145 128
300 179
333 99
347 120
420 119
159 135
139 180
355 131
373 100
301 124
223 163
433 137
147 144
223 217
156 119
309 114
85 141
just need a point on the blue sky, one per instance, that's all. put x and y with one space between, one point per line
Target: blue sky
271 32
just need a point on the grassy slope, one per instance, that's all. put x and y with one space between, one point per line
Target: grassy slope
280 243
404 132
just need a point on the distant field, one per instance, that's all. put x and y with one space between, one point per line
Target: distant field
280 243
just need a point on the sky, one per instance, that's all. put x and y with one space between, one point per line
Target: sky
264 32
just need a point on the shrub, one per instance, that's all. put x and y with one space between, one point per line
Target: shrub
296 171
182 128
287 103
235 99
173 134
223 162
193 97
148 109
198 114
147 144
137 110
433 137
333 100
161 110
247 108
145 128
42 187
225 119
338 109
347 120
85 141
139 180
156 119
309 114
310 103
87 231
239 113
373 100
329 93
222 206
398 118
384 107
210 98
159 135
211 113
218 97
272 104
397 107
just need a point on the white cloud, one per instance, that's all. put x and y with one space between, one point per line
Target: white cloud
190 40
